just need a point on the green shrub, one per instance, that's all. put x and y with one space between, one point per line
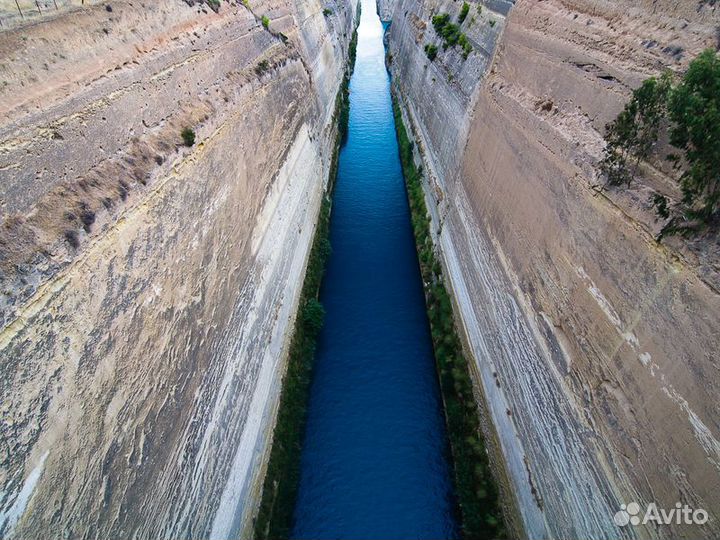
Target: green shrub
475 488
352 51
465 44
431 51
265 22
327 12
440 20
634 132
312 316
214 5
464 12
448 31
694 110
262 67
451 33
188 136
492 24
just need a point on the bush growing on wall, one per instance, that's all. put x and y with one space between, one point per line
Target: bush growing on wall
431 51
465 44
464 12
451 33
448 31
188 136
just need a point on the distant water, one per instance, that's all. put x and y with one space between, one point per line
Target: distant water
374 460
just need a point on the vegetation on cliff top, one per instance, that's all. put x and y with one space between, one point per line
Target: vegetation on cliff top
689 110
475 487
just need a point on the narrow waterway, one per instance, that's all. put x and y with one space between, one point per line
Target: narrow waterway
374 461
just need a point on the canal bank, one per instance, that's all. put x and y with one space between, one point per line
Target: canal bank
474 475
280 485
375 453
390 443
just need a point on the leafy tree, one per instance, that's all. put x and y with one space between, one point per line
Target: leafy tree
265 22
431 51
635 130
694 109
313 316
463 12
188 136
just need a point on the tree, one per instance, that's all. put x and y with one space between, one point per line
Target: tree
634 132
694 109
188 136
313 316
431 51
463 12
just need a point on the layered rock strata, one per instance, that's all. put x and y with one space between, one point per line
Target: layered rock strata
149 287
595 345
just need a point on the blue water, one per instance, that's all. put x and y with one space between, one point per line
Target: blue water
374 460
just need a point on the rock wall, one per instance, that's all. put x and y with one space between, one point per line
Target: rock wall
18 12
595 345
384 9
149 288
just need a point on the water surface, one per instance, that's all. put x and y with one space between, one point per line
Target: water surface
374 460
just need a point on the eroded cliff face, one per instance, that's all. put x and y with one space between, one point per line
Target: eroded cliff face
149 288
596 346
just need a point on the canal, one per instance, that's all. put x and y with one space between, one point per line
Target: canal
374 461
